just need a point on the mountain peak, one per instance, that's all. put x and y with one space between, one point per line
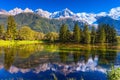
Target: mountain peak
4 12
65 13
15 11
66 9
115 13
43 13
90 18
27 10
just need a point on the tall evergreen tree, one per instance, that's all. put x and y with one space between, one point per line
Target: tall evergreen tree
76 33
101 35
113 35
2 32
86 35
68 36
109 33
93 35
11 29
63 33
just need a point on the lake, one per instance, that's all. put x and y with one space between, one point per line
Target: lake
58 61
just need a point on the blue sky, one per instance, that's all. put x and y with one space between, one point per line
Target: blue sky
94 6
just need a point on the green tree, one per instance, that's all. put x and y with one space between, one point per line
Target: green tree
63 33
114 74
110 33
102 36
26 33
52 36
11 28
69 36
39 35
9 57
76 33
113 35
93 35
86 35
2 32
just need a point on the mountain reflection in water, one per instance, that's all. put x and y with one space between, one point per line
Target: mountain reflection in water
45 62
87 71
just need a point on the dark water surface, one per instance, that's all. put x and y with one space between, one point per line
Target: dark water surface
57 62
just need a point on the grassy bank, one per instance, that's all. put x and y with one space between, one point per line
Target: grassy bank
10 43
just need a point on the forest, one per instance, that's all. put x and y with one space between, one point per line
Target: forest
104 33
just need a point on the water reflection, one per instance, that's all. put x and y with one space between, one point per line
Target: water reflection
45 71
9 56
41 62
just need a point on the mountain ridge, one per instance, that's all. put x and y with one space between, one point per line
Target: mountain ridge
43 21
90 18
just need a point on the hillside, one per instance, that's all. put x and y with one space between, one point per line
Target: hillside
38 23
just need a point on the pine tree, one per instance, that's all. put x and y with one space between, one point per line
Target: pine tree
68 36
102 37
108 34
2 32
93 35
11 29
76 33
86 35
113 35
63 33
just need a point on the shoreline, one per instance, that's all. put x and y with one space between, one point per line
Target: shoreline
17 42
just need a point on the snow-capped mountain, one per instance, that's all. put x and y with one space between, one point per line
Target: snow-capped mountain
4 12
16 11
66 13
27 10
115 13
43 13
90 18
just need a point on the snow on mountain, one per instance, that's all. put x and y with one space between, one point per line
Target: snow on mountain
27 10
4 12
102 14
115 13
43 13
66 13
90 18
15 11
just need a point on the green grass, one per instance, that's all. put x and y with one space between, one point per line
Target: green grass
17 42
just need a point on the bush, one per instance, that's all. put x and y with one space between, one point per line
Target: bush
114 74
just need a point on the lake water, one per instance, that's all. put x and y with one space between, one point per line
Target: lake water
57 62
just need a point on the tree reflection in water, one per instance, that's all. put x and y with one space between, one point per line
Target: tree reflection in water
38 62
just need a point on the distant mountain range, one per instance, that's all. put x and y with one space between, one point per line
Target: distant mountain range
45 21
